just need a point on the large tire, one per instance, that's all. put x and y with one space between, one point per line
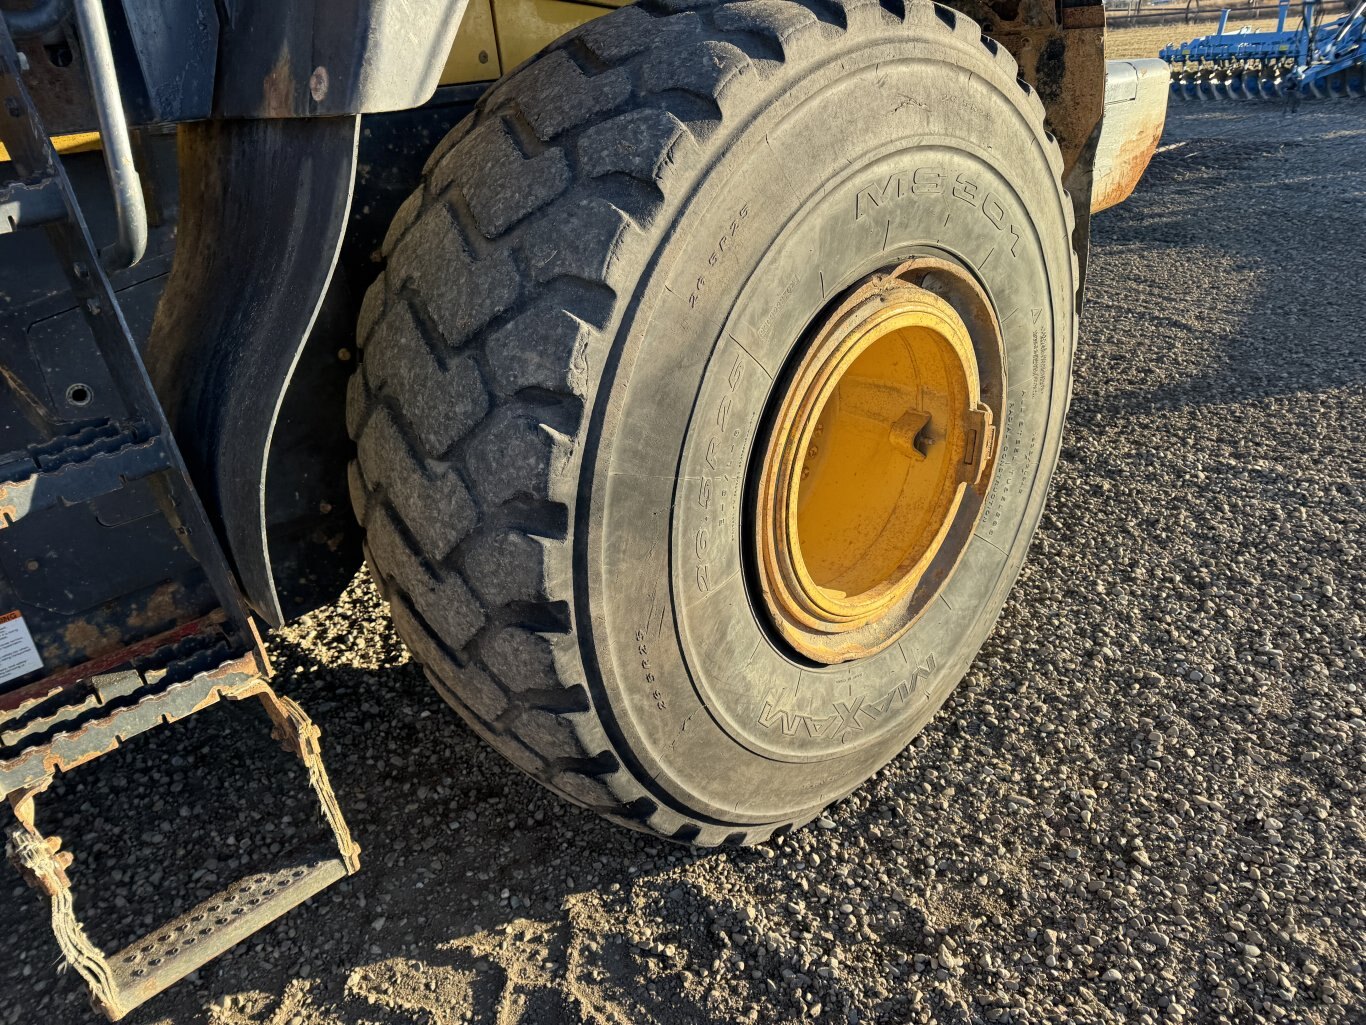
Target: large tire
566 362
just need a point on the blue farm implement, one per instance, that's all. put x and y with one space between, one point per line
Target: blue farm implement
1319 59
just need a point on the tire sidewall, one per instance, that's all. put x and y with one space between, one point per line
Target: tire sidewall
805 199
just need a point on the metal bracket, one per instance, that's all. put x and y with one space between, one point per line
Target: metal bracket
981 444
140 971
30 204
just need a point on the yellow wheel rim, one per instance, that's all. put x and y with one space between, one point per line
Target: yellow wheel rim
880 432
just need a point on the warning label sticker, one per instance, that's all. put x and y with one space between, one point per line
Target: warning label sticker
18 656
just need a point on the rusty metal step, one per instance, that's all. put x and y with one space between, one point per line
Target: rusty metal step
118 984
64 725
83 470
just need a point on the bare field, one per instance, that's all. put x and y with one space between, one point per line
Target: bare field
1147 40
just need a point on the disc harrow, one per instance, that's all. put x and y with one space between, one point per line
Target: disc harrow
1315 60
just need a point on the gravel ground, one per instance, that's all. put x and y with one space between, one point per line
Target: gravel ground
1145 803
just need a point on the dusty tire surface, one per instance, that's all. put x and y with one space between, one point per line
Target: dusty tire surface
566 363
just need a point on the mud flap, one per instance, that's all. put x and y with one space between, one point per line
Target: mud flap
253 262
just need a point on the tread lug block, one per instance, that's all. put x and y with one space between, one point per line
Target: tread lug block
372 309
507 565
549 733
544 348
438 595
481 693
458 294
355 484
582 241
639 143
412 482
564 96
498 157
447 394
445 145
522 658
404 218
773 18
633 30
512 458
706 69
588 791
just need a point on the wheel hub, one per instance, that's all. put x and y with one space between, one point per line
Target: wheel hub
880 432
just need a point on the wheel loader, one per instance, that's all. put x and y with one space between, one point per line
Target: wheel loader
689 376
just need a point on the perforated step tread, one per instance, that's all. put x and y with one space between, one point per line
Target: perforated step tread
152 964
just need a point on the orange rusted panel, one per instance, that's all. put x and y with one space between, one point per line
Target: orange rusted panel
1135 114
